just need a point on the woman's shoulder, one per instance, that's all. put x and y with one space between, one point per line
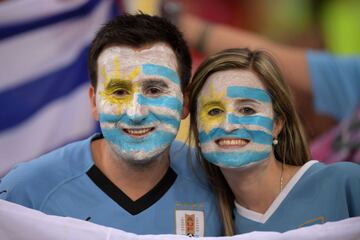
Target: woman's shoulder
339 170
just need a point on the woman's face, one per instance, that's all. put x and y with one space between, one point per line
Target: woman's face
235 119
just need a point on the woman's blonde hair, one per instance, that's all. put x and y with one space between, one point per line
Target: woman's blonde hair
292 147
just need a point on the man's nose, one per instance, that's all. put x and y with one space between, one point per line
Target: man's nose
137 111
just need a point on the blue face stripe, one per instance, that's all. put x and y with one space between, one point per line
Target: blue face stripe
254 120
235 159
153 69
256 136
128 144
249 93
162 101
151 118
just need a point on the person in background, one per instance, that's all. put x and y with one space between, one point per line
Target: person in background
325 86
251 143
132 176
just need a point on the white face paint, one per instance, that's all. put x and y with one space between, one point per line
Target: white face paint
235 119
139 100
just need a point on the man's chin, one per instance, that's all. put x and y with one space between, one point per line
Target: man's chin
141 157
132 154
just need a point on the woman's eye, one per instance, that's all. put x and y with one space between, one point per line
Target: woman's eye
120 92
247 111
215 111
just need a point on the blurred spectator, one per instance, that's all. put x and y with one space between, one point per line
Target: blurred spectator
326 87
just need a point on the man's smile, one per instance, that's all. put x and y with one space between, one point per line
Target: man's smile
138 132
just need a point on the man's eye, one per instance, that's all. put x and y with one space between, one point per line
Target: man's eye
215 111
247 111
153 91
120 92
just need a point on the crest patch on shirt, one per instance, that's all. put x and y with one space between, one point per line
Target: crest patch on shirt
190 219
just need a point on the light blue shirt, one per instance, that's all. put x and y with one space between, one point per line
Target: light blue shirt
317 193
66 182
335 82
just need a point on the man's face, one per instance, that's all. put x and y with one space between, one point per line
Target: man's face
139 100
235 119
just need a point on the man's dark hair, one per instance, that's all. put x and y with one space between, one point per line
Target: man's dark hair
136 31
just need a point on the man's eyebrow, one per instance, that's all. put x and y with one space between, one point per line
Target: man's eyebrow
156 83
116 82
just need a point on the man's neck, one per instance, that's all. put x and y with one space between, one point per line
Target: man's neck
135 180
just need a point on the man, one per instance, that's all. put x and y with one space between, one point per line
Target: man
131 176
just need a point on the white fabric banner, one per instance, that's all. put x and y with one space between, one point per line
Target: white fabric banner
20 223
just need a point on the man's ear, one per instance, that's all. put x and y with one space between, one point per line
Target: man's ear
92 97
185 110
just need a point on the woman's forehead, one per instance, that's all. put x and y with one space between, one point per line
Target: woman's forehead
233 77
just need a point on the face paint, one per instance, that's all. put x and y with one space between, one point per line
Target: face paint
235 122
139 100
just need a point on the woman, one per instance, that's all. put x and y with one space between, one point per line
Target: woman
252 145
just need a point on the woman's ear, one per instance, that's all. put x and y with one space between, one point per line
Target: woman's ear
279 124
185 110
92 97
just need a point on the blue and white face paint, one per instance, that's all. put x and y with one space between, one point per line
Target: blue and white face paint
235 119
139 100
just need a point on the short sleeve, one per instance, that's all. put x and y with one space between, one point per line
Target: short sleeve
15 187
335 82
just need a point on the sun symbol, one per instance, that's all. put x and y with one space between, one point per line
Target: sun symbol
215 99
116 75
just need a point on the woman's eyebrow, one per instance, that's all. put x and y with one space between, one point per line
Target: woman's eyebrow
246 100
212 103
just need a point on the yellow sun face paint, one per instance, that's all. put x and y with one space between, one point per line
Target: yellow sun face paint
119 87
215 101
235 119
139 100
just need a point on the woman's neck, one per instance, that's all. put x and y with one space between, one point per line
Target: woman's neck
255 187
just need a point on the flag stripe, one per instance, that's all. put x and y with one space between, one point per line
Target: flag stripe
248 93
64 120
20 101
44 82
37 53
153 69
262 121
11 30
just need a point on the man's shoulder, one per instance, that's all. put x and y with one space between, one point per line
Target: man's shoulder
28 183
186 164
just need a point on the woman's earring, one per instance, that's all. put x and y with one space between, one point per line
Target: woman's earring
275 142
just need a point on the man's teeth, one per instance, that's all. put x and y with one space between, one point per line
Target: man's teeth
232 142
140 131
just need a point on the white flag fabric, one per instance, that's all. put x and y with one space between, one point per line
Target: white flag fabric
20 223
43 74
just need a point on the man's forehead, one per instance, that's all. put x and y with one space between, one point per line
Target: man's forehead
128 57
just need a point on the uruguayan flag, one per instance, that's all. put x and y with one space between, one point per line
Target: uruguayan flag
43 79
